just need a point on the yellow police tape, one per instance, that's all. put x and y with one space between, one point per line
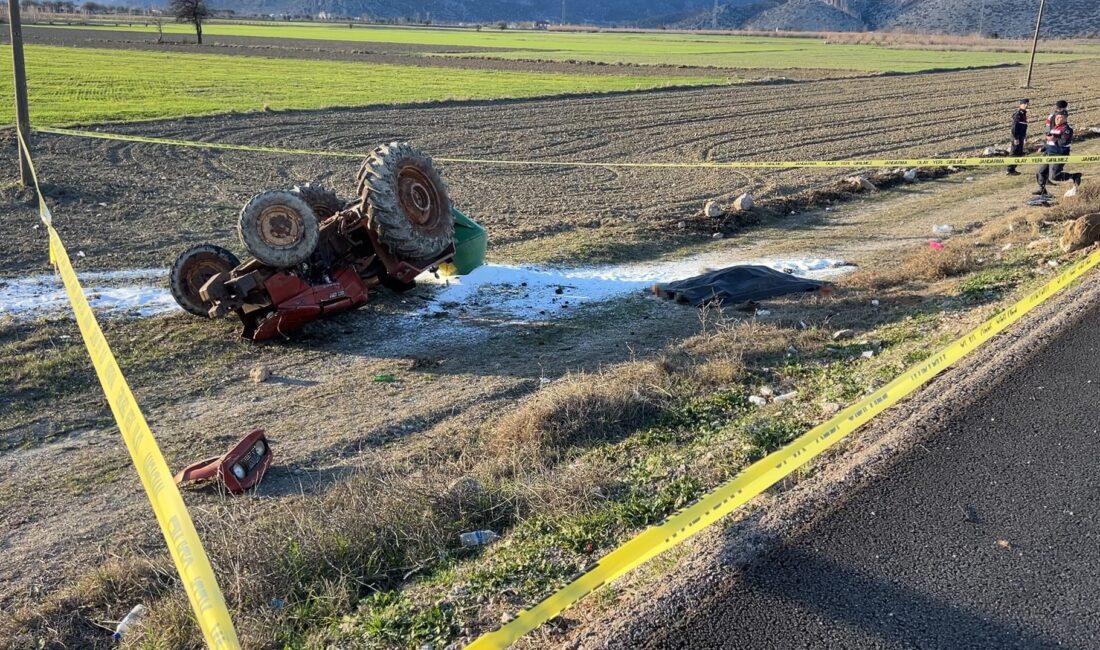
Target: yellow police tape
764 473
183 541
836 164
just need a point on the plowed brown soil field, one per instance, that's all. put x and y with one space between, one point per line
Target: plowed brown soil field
131 205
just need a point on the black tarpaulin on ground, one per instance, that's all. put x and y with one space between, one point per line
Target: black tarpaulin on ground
736 284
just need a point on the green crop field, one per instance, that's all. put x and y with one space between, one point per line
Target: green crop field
669 49
76 85
779 53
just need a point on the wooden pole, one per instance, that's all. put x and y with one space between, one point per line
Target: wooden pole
22 114
1035 43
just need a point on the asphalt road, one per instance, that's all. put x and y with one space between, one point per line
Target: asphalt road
985 536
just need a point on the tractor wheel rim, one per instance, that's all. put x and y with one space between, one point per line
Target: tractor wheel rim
197 272
418 196
280 226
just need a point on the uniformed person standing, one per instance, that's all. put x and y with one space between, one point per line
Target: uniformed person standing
1019 134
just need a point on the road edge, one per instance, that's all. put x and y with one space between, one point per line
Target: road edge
783 514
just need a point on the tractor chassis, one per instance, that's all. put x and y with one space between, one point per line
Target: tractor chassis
274 302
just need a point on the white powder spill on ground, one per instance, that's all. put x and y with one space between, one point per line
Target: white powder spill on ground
493 292
111 292
536 293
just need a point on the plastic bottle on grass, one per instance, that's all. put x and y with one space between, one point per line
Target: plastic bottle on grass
130 619
478 538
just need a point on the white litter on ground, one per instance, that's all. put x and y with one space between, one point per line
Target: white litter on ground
531 293
110 292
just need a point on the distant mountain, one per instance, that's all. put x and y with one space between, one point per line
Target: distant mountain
807 15
1006 18
576 11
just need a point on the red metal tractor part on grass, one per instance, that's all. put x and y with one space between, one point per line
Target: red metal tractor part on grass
239 469
315 255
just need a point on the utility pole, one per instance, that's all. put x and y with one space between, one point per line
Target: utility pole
22 114
1035 43
714 17
981 21
563 12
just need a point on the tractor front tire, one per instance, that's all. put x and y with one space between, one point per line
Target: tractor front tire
194 268
406 203
278 228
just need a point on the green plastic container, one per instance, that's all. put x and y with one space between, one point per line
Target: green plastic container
471 240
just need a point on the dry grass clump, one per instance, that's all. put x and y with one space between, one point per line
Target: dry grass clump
721 352
1087 201
723 370
288 564
923 265
86 611
582 408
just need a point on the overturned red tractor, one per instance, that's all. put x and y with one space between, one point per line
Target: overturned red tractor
315 254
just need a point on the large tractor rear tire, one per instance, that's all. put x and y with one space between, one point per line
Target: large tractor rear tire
194 268
325 202
278 228
406 202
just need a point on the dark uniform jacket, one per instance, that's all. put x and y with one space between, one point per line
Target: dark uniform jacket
1019 125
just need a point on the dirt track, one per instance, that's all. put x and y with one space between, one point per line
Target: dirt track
134 205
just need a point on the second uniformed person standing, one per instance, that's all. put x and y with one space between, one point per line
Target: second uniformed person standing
1019 133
